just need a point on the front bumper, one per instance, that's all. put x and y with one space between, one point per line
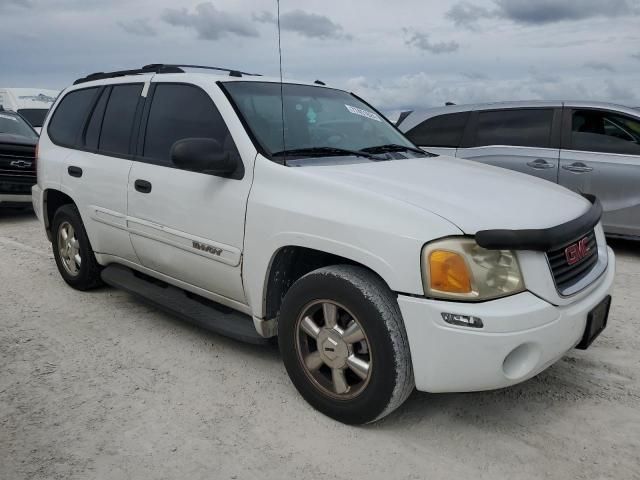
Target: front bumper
9 198
522 335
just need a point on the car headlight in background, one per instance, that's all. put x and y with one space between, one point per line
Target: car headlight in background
459 269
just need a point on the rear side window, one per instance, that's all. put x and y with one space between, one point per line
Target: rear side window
117 125
441 131
178 112
69 117
605 132
518 127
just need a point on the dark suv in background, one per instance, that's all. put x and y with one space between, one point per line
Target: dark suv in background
588 147
17 159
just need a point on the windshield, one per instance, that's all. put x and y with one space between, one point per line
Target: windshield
35 116
15 125
315 118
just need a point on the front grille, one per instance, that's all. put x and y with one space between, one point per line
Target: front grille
22 157
566 275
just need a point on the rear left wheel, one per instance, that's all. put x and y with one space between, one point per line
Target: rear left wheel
72 251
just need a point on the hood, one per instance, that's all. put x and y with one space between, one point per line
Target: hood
17 140
471 195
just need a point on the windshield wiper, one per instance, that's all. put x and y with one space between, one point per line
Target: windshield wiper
324 151
395 147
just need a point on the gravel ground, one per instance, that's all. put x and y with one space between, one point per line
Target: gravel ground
98 385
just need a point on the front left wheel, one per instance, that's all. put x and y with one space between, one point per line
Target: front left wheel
72 251
344 345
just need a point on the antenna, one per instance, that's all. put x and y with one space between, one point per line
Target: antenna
284 156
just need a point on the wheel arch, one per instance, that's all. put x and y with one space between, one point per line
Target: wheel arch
291 262
52 200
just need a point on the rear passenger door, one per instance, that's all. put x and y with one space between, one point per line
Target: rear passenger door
521 139
96 125
601 156
188 225
441 134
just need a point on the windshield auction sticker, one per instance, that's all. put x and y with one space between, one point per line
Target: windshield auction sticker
363 113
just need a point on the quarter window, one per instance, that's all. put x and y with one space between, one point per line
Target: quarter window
517 127
117 126
69 117
441 131
605 132
178 112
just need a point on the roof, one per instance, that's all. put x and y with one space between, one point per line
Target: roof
419 115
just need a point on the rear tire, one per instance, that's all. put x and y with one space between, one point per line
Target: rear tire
344 344
72 250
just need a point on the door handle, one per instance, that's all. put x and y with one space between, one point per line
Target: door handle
75 171
578 167
541 164
143 186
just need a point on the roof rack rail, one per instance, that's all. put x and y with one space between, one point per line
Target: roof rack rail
158 68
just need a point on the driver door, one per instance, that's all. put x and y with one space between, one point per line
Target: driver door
188 225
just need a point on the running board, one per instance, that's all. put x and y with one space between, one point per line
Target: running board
185 305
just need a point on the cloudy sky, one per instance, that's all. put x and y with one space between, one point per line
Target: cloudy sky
399 54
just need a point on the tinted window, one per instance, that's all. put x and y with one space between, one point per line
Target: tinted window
117 125
526 128
95 122
35 116
178 112
69 117
440 131
607 132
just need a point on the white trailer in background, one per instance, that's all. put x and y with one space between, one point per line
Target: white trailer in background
32 103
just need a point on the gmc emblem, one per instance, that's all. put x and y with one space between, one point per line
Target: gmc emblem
577 251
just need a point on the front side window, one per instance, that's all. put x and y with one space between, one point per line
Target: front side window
12 124
182 111
606 132
68 119
117 125
314 118
529 127
441 131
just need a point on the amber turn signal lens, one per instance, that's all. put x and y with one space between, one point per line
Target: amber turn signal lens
448 272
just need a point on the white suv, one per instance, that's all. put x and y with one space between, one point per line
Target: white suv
256 209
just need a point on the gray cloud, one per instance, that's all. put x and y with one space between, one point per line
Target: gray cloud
138 26
474 75
309 25
541 12
636 55
465 14
421 40
16 3
209 22
600 66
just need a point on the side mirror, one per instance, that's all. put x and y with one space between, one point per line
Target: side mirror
203 155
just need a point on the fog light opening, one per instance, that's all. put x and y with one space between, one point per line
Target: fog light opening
521 361
462 320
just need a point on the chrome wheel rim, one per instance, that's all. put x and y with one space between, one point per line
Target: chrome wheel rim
69 249
333 349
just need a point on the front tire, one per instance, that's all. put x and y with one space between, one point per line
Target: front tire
72 250
344 345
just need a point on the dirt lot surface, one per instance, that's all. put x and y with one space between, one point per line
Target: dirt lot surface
98 385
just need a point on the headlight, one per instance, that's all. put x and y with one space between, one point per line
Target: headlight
457 268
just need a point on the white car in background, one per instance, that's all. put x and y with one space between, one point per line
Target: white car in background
32 103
